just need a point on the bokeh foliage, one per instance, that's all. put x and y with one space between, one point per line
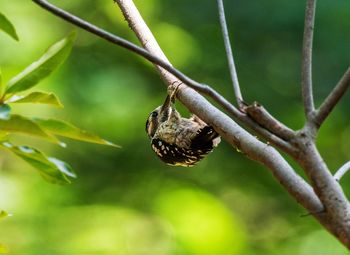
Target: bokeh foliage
16 91
126 201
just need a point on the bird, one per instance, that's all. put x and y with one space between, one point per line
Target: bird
176 140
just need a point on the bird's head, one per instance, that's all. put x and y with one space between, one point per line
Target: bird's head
158 116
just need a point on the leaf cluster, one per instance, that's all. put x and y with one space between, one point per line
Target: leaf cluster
16 91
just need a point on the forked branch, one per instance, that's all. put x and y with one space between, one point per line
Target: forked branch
312 116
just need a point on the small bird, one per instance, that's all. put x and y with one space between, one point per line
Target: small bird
176 140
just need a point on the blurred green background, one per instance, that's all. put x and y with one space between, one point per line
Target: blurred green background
125 201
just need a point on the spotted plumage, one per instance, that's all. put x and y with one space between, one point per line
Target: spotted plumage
176 140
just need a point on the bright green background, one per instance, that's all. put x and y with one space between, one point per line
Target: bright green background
125 201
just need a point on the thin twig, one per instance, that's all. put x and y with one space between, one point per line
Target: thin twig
229 54
200 87
306 68
342 171
333 98
203 88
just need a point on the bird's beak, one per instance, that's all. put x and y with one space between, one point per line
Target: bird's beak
166 104
170 99
166 109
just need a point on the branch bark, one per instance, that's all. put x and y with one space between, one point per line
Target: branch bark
306 68
265 119
328 190
342 171
229 54
333 98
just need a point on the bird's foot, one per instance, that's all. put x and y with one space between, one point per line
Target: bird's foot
173 89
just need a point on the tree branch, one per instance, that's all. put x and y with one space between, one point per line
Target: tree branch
227 128
163 65
342 171
230 130
203 88
306 67
328 190
265 119
229 54
137 24
333 98
233 133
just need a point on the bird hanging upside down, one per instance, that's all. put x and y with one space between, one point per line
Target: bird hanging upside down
176 140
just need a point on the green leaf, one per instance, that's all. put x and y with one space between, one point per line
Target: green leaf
52 170
5 110
21 124
61 128
63 167
7 27
41 68
37 98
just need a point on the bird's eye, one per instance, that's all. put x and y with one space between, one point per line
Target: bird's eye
154 114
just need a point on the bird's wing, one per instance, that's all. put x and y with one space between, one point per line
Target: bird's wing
204 139
174 155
